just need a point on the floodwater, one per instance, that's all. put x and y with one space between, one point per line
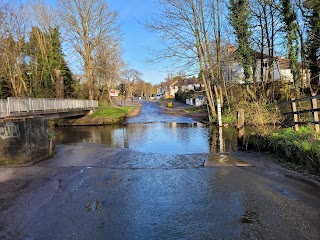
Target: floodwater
155 132
155 177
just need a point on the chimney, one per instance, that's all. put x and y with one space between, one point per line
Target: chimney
231 49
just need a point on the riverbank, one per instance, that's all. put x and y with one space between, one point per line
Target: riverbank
105 116
296 150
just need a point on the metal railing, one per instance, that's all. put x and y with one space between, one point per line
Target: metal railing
17 105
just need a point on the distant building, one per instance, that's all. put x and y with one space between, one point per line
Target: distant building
170 87
114 92
266 68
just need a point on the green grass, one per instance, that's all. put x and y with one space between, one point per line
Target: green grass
111 112
167 99
300 149
229 118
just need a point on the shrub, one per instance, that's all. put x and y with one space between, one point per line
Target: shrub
261 113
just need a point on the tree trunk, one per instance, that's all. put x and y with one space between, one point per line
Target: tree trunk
59 83
202 63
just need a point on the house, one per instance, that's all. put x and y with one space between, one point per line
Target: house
114 92
170 87
267 68
233 70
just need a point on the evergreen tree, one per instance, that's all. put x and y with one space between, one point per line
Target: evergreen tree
41 84
291 29
59 65
313 41
239 19
50 75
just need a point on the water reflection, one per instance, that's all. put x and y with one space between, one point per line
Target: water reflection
222 139
153 131
159 137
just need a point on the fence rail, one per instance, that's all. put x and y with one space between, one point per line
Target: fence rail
17 105
312 109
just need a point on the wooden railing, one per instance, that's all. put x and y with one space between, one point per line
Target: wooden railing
296 111
17 105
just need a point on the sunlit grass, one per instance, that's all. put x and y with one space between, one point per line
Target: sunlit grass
111 112
299 149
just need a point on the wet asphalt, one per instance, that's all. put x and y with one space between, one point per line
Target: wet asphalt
90 191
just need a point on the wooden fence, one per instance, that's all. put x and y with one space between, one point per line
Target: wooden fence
296 111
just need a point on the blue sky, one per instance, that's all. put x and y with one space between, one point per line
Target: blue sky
137 39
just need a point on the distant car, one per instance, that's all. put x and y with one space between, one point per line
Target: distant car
159 96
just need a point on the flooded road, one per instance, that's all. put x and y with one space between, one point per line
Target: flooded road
155 133
156 177
152 132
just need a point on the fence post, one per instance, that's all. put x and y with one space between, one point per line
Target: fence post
240 127
315 113
295 114
221 141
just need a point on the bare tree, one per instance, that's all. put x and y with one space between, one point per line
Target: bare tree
186 28
12 39
108 66
42 14
88 24
267 31
131 76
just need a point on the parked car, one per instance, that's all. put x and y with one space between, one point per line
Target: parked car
159 96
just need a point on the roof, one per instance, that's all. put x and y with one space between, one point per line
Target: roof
186 81
284 63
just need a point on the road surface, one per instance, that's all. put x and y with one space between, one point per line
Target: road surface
90 191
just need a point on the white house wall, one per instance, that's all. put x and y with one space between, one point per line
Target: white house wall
276 75
234 72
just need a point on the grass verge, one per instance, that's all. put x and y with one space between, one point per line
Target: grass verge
111 112
299 150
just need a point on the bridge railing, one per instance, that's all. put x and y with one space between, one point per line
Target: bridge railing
13 105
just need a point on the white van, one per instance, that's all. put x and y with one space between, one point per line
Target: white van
159 96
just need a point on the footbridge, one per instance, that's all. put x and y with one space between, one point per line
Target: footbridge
24 134
50 108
